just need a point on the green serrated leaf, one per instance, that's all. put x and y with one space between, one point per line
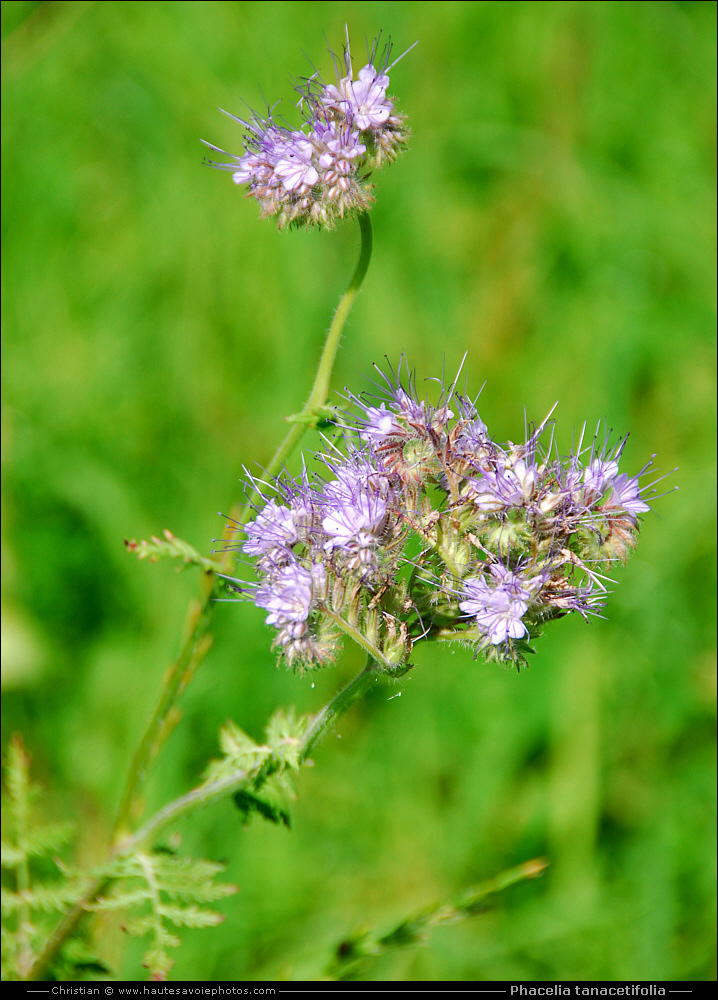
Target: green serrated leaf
147 925
55 897
240 751
240 748
47 839
191 916
205 893
30 906
159 889
248 803
158 962
119 900
11 855
284 735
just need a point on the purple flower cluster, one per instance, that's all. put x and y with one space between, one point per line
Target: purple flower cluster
329 537
500 606
423 527
318 174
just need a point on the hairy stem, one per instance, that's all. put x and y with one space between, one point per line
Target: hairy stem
340 704
355 634
320 390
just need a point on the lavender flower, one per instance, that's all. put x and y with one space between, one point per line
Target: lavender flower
362 102
355 520
359 472
294 168
318 174
497 615
381 424
273 531
500 607
288 596
597 477
504 487
471 438
291 598
626 493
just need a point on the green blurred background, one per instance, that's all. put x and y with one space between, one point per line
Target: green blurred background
554 218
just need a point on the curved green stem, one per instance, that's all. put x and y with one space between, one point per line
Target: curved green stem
64 929
320 389
354 633
165 715
334 710
214 791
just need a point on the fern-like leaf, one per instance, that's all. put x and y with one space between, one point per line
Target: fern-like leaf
159 889
171 547
240 753
30 906
284 735
269 766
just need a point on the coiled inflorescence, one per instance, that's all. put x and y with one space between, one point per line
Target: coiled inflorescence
423 527
318 174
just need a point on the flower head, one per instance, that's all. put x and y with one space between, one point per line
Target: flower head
423 526
318 174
